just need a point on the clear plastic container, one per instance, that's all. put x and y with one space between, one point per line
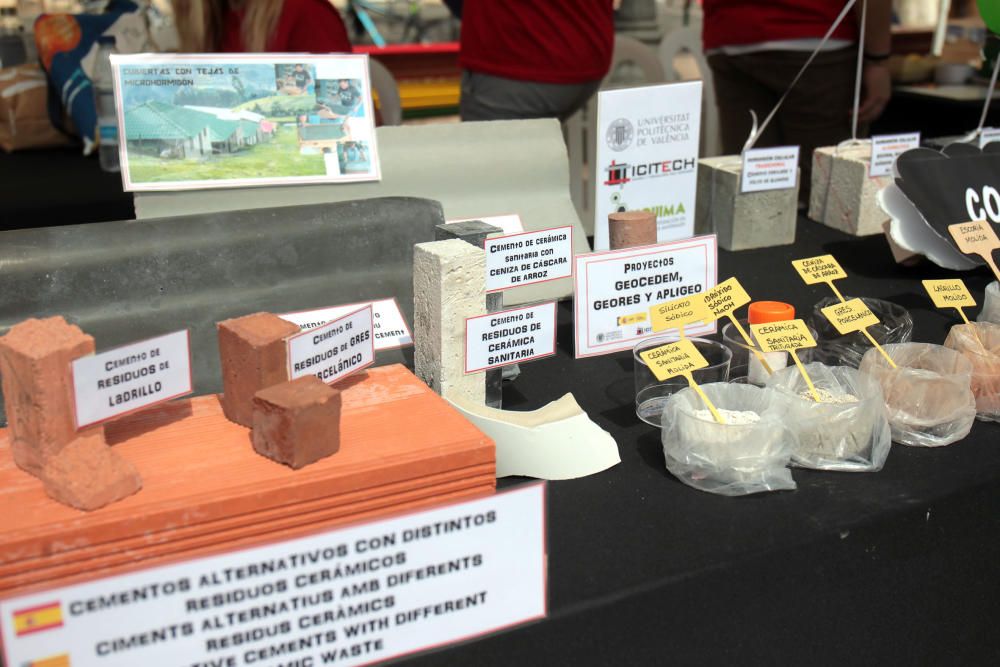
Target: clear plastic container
729 459
982 349
739 367
991 304
849 431
928 395
833 349
652 394
104 99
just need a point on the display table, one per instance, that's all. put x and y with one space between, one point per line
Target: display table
899 566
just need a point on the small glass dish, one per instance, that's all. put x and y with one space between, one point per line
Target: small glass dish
848 431
747 454
982 349
652 394
928 395
833 349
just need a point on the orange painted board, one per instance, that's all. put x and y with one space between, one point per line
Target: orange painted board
168 541
198 467
11 588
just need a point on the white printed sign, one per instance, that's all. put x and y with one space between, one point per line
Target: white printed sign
529 257
131 377
647 157
510 224
886 148
988 136
770 169
345 597
390 328
613 291
334 350
510 337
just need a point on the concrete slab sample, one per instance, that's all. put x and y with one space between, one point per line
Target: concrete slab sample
473 169
87 474
127 281
449 284
843 196
742 221
35 358
557 441
253 357
297 422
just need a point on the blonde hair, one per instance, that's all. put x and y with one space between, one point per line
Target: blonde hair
199 23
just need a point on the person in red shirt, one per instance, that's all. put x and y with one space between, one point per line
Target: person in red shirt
278 26
532 58
756 48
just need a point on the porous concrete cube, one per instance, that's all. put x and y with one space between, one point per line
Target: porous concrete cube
742 221
297 422
843 194
35 358
253 355
449 285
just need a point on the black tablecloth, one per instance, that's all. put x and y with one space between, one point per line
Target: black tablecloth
899 566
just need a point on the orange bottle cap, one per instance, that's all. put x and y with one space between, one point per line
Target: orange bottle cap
762 312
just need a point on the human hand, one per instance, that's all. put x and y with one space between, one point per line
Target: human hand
876 84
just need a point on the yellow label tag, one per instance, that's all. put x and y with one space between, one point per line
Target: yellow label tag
949 293
781 336
636 318
819 269
679 312
726 297
975 238
673 359
850 316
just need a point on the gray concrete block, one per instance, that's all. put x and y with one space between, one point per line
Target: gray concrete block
742 221
449 285
842 194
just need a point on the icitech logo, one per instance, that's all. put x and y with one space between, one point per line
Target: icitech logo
620 134
620 173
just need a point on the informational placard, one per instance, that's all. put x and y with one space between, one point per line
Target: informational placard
678 313
783 336
353 596
334 350
389 325
949 293
726 297
850 316
510 337
886 148
673 359
510 223
196 121
822 269
611 288
770 169
131 377
647 157
529 257
989 135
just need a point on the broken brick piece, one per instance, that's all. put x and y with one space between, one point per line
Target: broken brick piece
35 358
88 474
252 351
297 422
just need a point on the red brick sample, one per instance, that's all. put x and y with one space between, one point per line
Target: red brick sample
297 422
252 350
87 474
35 358
629 229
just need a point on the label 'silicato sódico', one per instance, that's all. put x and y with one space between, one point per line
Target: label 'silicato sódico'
510 337
527 258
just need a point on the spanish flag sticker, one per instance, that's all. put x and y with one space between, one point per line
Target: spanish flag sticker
61 660
35 619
